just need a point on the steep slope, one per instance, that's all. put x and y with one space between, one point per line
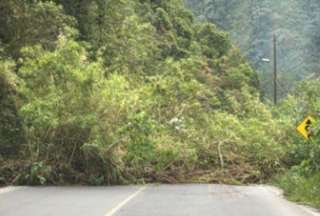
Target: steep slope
251 24
133 91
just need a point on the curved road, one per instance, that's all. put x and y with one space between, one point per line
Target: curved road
158 200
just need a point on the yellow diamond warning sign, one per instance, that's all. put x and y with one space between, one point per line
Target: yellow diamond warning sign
305 128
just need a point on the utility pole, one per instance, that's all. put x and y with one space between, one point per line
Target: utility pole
275 72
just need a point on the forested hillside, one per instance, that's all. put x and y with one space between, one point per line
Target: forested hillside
251 24
114 92
125 91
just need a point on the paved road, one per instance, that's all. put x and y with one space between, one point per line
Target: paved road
158 200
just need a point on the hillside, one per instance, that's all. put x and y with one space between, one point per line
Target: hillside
124 91
251 25
120 92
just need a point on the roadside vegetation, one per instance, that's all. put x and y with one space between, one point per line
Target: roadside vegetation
116 92
300 178
251 25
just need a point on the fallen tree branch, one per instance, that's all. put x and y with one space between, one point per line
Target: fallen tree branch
220 155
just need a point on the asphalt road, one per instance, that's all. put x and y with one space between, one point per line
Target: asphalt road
159 200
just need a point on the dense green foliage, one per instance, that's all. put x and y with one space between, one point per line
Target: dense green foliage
251 24
104 92
11 134
301 182
296 25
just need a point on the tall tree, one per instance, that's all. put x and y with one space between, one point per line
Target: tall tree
25 23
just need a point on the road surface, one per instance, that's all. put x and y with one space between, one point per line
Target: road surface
158 200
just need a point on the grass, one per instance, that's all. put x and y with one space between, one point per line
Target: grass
300 188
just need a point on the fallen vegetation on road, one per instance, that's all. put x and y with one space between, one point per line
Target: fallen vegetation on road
135 92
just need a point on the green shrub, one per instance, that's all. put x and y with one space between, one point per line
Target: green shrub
300 187
56 110
11 132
